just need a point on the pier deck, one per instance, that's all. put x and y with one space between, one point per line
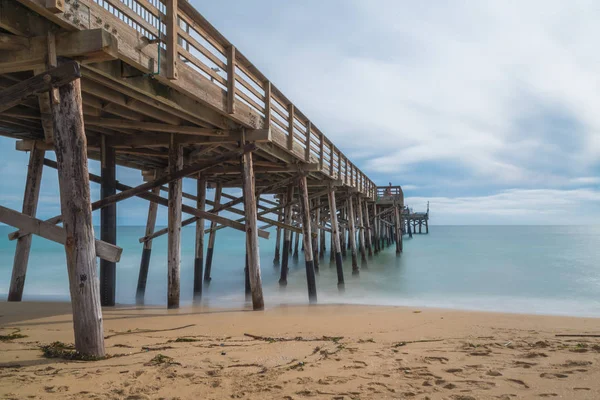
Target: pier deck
152 85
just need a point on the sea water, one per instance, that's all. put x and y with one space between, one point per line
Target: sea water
523 269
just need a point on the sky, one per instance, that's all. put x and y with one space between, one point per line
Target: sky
489 110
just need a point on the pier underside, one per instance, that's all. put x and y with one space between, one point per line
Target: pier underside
153 86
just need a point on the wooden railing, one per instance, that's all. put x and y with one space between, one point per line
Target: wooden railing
390 192
187 37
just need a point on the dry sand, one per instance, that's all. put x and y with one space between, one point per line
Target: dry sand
385 353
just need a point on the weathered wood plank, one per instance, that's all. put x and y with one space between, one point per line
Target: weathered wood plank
54 233
199 250
87 46
174 221
74 184
13 42
147 250
231 103
212 237
307 239
171 39
287 243
335 234
252 248
352 234
55 77
108 222
30 202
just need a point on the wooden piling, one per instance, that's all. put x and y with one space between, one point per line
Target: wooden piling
368 232
316 233
409 228
278 238
375 229
30 202
352 234
361 231
174 224
398 232
73 179
108 222
335 234
147 250
427 226
212 237
247 287
199 250
252 232
322 244
287 235
296 243
307 239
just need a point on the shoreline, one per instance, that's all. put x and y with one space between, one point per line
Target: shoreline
320 351
245 306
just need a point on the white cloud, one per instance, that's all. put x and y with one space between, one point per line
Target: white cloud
506 90
542 206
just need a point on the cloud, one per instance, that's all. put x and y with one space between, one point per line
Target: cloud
481 107
505 90
517 206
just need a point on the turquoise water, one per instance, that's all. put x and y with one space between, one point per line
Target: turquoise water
525 269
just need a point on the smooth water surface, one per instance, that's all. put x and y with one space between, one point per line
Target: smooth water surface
525 269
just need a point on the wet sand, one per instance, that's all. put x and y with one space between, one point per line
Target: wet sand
320 352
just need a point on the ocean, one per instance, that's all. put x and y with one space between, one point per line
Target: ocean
524 269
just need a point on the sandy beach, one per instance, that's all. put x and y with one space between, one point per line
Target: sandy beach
322 352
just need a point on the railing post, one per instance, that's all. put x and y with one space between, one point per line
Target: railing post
321 150
267 104
171 41
307 149
231 79
290 139
331 159
339 154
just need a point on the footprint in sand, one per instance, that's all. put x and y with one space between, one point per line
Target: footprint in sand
548 395
524 364
519 382
552 375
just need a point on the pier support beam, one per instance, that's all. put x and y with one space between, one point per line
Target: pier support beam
199 251
307 240
376 228
427 226
30 202
335 235
352 234
368 232
409 228
322 245
252 233
287 236
361 232
398 230
315 229
296 243
174 224
73 180
108 222
278 238
212 237
147 250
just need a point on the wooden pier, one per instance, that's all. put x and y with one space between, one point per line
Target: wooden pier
152 85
